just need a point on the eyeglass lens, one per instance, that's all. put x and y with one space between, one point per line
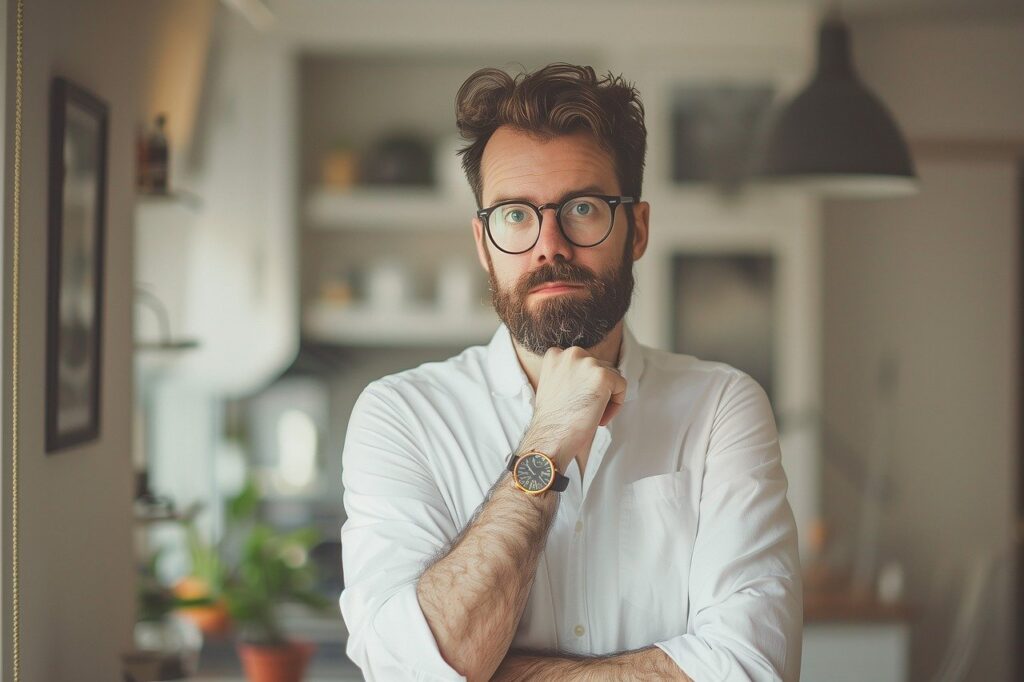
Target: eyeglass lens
585 220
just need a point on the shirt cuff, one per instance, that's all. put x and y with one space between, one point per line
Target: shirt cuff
399 644
702 663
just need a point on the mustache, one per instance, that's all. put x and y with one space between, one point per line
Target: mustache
560 272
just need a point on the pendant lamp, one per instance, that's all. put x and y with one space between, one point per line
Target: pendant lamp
836 137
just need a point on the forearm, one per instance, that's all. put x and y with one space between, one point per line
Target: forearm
650 663
473 596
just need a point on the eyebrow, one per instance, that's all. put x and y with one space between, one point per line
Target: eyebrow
589 189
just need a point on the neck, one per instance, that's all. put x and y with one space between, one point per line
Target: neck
607 350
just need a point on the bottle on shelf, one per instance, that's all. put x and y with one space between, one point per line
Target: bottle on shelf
141 162
158 157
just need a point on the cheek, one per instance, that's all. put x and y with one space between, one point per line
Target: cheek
507 274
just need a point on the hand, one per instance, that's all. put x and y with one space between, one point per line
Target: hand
576 393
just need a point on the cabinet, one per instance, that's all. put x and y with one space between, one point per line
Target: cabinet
388 265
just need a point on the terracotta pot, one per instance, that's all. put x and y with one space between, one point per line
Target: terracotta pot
275 663
212 621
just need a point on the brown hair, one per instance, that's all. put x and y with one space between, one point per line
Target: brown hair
557 99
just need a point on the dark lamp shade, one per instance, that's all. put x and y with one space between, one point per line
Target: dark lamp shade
836 137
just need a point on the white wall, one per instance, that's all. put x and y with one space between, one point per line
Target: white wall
932 282
76 570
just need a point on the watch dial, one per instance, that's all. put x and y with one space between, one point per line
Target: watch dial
534 472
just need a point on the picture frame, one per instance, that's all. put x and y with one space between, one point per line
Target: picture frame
724 309
77 188
716 128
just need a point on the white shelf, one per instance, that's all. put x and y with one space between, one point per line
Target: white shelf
393 209
413 326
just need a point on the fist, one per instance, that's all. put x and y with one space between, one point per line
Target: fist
576 393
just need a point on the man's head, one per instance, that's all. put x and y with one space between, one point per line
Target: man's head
541 137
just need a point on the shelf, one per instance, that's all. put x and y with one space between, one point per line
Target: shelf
166 346
388 208
175 196
157 513
421 326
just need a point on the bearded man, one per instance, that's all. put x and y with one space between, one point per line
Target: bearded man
565 503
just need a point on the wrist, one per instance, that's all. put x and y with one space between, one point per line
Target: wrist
546 440
544 503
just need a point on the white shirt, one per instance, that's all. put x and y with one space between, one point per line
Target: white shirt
678 535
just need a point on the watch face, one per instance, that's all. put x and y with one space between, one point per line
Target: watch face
534 472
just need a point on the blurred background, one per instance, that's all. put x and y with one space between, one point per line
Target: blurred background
286 220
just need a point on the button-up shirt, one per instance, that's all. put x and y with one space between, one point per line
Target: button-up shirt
679 533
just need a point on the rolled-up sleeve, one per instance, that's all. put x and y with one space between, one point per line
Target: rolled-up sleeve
745 591
396 521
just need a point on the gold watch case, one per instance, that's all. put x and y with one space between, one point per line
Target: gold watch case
515 470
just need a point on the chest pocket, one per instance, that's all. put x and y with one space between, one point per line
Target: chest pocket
657 528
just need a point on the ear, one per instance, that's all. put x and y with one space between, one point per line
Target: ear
481 243
642 214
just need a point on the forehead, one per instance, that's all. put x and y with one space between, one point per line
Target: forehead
519 165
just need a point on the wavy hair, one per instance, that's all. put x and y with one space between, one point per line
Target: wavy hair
557 99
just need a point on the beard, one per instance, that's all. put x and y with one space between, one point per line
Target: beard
568 319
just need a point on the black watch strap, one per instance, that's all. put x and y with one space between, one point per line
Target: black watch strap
560 484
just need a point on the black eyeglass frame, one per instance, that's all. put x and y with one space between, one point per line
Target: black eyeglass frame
613 203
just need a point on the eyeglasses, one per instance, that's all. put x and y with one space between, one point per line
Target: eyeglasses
514 226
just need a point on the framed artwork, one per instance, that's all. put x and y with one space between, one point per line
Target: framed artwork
77 193
724 310
716 128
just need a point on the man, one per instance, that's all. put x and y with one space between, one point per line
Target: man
565 503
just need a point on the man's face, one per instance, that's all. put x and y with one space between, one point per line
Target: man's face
516 165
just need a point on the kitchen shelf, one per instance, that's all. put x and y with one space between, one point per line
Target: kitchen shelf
388 208
172 196
357 325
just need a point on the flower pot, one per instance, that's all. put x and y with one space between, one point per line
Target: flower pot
212 620
275 663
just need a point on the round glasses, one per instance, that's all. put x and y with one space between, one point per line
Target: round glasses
514 226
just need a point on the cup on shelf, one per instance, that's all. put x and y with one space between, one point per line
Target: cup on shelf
387 285
336 290
455 288
339 169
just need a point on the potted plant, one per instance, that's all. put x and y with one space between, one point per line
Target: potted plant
252 579
273 569
205 582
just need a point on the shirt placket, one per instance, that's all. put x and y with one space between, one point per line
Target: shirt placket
576 619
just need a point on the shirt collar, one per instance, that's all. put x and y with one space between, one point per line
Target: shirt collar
508 378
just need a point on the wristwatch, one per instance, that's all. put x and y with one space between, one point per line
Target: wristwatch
533 472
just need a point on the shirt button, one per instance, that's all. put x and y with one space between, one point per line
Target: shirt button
579 526
579 630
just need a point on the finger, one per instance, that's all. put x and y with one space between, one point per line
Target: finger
609 413
617 397
619 386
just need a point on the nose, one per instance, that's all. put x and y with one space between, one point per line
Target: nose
551 241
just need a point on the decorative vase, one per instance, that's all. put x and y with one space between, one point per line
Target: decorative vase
276 662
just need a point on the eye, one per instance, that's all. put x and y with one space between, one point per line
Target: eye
514 215
581 209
